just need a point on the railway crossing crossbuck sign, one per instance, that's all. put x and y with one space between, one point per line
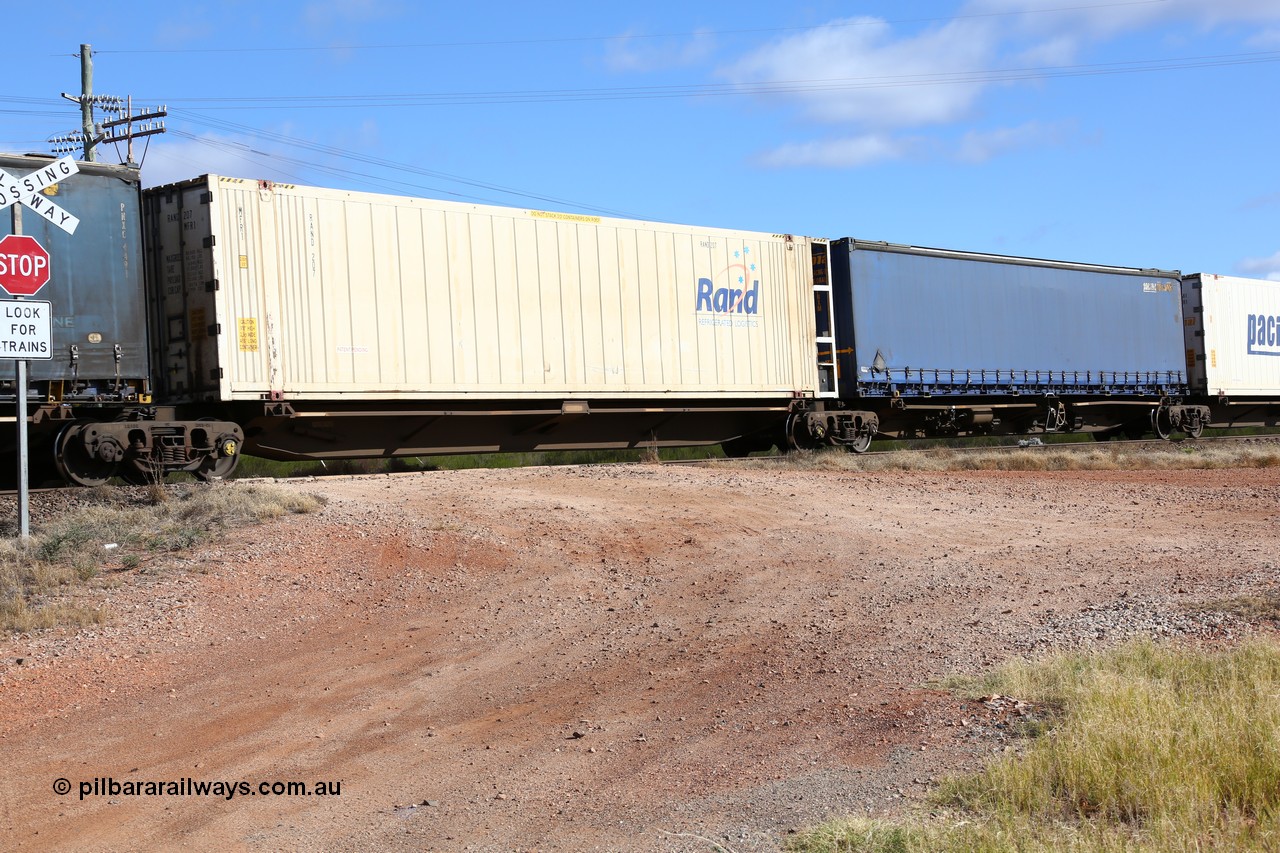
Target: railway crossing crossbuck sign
29 189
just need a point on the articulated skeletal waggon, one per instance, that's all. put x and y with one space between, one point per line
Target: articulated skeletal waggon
202 320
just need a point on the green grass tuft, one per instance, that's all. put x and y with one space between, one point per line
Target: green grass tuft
1154 748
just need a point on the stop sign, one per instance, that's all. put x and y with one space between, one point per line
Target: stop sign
24 265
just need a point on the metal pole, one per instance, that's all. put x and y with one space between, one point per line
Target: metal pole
24 508
86 100
129 130
20 401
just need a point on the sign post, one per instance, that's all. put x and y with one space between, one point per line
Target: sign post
24 269
16 242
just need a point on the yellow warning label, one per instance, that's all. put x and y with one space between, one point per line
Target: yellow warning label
198 331
567 217
244 262
248 329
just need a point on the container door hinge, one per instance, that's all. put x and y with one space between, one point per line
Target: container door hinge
210 242
206 198
215 373
215 329
211 286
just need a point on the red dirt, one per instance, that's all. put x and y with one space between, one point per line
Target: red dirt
597 658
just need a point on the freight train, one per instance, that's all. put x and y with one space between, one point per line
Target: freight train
202 320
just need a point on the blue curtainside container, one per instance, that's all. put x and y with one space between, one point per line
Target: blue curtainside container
917 322
95 290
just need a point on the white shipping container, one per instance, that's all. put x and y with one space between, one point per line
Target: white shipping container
1232 335
273 291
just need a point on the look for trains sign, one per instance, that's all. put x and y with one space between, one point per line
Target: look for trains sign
24 265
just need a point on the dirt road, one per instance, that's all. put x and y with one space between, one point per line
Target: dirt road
631 658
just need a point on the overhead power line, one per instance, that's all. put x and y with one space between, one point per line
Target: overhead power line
705 90
635 36
401 168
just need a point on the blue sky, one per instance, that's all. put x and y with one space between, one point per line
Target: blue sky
1140 133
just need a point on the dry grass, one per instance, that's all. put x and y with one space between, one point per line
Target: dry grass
42 580
1256 608
1156 748
1048 458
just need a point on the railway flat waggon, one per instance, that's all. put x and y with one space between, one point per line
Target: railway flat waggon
933 342
204 319
346 324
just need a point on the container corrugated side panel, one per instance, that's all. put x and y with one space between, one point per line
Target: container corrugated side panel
1240 319
189 282
95 288
932 310
364 296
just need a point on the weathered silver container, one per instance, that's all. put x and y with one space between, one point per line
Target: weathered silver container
280 292
95 289
1232 335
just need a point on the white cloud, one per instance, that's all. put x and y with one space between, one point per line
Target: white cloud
860 73
1265 39
189 30
177 159
837 153
978 146
855 71
633 53
1262 201
1098 20
324 14
1060 50
1268 268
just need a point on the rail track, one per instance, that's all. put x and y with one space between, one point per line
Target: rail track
1021 445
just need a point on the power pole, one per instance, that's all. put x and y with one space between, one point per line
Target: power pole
86 100
92 133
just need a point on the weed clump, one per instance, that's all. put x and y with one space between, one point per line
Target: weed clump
1153 748
1047 458
42 579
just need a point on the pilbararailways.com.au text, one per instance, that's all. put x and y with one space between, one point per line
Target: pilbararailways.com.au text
106 786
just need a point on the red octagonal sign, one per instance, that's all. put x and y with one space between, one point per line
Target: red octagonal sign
24 265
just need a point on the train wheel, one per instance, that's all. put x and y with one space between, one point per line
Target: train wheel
861 441
1196 430
1160 423
220 466
74 462
797 434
